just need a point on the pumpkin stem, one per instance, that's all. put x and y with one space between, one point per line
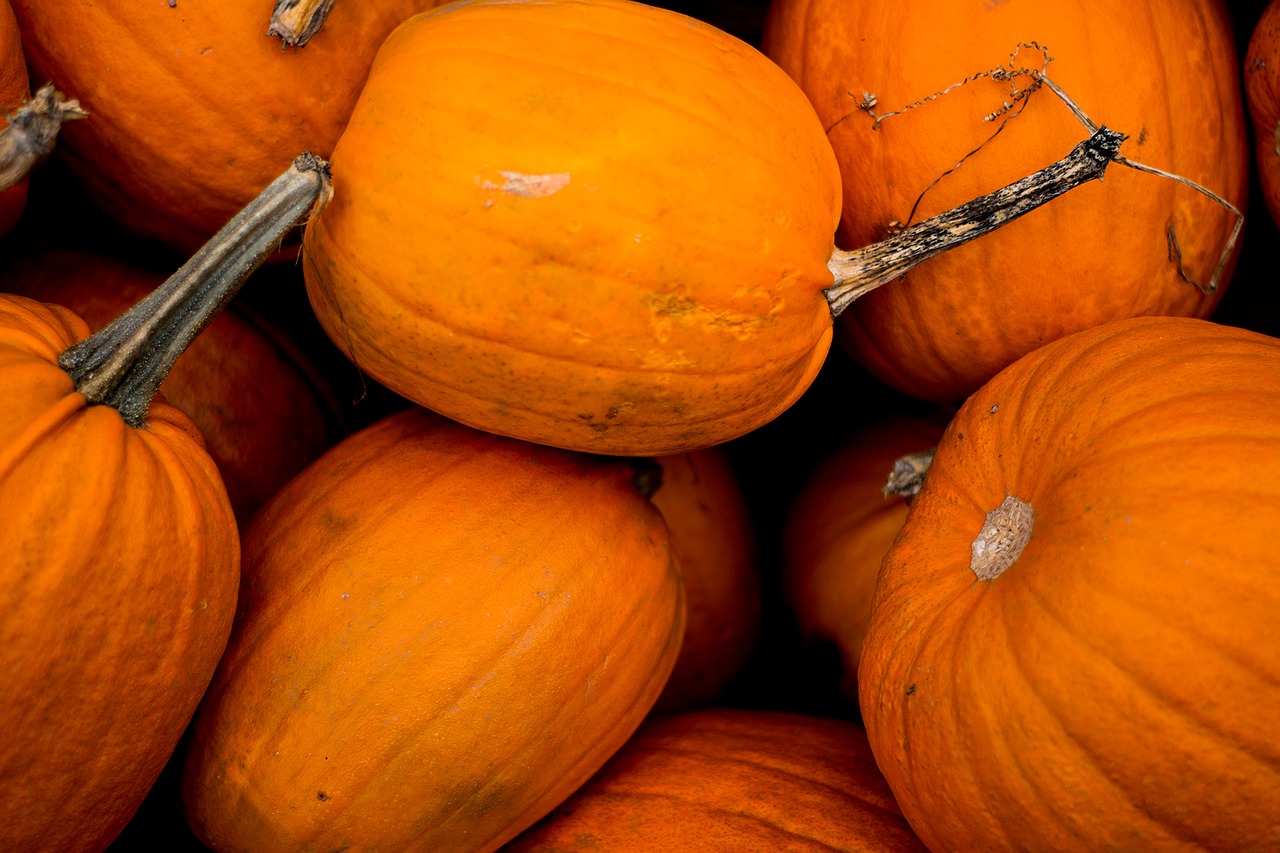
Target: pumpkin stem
860 271
907 476
32 131
1005 533
123 364
296 21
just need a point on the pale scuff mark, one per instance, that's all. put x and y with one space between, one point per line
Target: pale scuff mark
528 186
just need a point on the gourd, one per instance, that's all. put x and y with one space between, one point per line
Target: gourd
598 225
263 410
442 633
729 779
194 106
1073 640
121 553
714 542
1137 244
1262 95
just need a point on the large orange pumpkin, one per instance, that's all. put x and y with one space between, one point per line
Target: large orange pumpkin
723 779
120 557
442 634
194 107
1165 73
1073 643
1262 94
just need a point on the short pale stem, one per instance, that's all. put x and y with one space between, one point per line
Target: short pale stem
123 364
296 21
1005 533
32 132
860 271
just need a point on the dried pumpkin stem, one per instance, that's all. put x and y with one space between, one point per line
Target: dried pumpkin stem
296 21
32 132
123 364
906 478
860 271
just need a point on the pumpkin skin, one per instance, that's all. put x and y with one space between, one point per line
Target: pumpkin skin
727 779
1262 95
14 88
838 529
194 108
1116 687
621 222
121 560
713 541
443 633
1167 74
263 411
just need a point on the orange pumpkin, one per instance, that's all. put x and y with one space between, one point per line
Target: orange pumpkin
1136 244
1074 641
839 528
194 107
442 634
13 90
723 779
264 412
121 553
1262 94
713 541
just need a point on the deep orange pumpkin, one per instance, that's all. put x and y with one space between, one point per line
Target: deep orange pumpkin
194 107
442 634
1165 73
714 543
1262 94
13 90
838 529
723 779
263 410
1112 681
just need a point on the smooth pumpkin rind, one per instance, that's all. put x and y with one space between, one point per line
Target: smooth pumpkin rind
620 229
121 565
1166 74
442 634
1113 688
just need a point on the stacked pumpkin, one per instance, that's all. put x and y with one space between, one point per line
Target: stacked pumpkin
571 239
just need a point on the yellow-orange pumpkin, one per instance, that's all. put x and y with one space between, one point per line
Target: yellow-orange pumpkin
194 107
722 779
442 634
1165 73
1073 643
839 528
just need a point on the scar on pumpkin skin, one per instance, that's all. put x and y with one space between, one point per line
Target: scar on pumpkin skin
1013 106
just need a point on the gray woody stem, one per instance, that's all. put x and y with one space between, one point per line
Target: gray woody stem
860 271
32 131
123 364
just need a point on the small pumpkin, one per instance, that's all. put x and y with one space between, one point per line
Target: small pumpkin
194 106
1262 95
838 529
442 633
622 226
728 779
1073 641
263 410
1136 244
714 543
121 552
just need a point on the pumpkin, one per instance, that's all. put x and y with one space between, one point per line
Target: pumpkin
1138 244
1073 642
1262 95
442 634
729 779
13 90
263 410
839 527
121 553
194 107
713 540
621 224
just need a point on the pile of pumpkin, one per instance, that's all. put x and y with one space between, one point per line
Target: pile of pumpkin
485 476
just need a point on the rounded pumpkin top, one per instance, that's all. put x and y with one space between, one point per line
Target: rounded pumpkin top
588 223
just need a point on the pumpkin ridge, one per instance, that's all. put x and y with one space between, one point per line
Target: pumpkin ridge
50 420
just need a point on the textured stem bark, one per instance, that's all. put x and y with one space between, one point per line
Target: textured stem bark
860 271
32 132
296 21
123 364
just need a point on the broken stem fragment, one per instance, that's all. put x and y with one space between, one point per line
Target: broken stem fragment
860 271
296 21
32 132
